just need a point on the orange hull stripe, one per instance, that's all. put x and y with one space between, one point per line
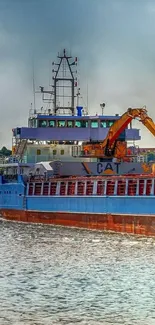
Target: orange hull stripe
139 225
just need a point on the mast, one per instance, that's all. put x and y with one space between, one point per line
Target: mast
34 97
87 97
64 83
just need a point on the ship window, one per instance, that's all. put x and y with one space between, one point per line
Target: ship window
34 123
62 151
42 123
94 124
81 124
84 124
52 123
110 123
78 124
61 124
70 124
103 124
54 152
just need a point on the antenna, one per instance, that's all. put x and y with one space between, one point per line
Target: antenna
87 97
50 72
78 94
102 107
34 97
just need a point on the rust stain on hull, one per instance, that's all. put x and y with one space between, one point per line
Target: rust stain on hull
139 225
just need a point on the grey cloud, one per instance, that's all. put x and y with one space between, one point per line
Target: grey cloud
114 40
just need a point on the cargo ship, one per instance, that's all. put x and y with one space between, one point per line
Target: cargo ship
72 169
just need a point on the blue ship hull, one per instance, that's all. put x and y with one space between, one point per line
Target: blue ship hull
131 214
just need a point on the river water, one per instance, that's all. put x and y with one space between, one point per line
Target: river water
59 276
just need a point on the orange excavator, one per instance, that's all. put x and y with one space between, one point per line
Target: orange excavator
112 147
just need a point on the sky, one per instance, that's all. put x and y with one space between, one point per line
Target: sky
114 41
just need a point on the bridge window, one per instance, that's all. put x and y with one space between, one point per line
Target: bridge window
61 124
81 124
32 123
52 123
78 124
84 124
42 123
94 124
18 131
110 123
70 124
103 124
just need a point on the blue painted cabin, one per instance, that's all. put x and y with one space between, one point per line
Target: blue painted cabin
70 128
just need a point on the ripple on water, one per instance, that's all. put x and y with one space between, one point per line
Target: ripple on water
54 275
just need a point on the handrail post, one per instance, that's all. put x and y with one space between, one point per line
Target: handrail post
95 188
126 186
144 189
58 188
49 188
116 186
152 188
105 187
137 187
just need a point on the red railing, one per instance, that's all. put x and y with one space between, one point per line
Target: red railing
84 186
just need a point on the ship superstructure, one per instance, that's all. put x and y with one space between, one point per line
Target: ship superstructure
59 130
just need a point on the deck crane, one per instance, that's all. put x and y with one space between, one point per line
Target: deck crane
112 147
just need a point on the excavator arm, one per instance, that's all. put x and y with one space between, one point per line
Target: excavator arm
107 147
148 122
120 125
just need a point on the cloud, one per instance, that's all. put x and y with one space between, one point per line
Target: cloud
150 7
114 40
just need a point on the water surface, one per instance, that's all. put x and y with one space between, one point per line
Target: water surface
59 276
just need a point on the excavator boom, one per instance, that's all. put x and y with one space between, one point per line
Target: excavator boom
107 147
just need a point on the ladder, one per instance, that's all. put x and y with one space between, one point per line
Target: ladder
20 148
